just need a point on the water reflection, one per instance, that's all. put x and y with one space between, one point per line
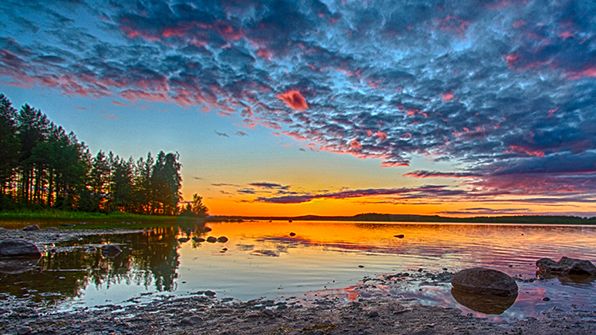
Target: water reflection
487 304
264 259
148 259
18 265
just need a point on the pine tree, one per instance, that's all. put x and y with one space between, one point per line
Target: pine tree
9 149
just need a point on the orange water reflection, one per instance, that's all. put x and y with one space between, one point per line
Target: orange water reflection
262 259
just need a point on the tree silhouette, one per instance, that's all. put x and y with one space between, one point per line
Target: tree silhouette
43 166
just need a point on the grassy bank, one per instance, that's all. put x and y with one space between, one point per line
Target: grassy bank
77 216
90 220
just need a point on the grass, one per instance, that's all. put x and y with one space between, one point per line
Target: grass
53 214
86 220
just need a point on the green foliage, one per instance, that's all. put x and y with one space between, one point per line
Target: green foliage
43 167
196 207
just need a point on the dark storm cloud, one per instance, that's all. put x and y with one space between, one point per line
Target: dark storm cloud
505 88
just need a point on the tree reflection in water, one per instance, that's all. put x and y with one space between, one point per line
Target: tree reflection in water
148 259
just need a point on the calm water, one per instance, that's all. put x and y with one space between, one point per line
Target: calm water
261 259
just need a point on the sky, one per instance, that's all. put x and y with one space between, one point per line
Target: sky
453 108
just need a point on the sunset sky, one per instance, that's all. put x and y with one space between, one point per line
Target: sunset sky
326 107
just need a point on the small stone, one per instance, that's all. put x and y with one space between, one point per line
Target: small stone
32 227
399 235
292 234
198 239
183 239
546 299
361 266
111 250
22 330
222 239
211 239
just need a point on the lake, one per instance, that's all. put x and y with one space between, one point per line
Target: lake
305 258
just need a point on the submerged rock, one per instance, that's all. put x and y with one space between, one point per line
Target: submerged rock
32 227
211 239
17 247
111 250
566 266
482 281
17 265
222 239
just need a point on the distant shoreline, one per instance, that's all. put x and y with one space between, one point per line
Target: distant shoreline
374 217
369 217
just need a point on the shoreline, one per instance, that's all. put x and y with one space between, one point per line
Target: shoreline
204 313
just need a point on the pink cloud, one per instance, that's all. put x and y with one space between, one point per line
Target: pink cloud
294 99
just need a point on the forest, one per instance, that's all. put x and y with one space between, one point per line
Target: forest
42 166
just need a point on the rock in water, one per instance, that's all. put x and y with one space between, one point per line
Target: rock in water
15 247
198 239
484 281
211 239
183 239
566 266
222 239
399 236
111 250
32 227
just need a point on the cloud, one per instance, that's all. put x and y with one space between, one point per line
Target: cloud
224 185
294 100
493 87
411 193
438 174
269 185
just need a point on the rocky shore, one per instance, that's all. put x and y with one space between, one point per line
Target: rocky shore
203 313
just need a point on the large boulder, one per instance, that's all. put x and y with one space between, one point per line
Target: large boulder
566 266
18 248
482 281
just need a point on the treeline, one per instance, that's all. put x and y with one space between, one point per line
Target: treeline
43 166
